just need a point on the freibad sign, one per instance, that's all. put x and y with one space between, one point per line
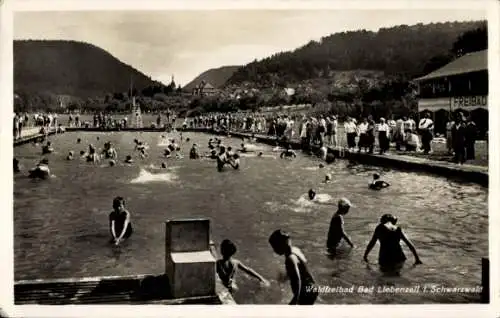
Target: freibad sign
469 102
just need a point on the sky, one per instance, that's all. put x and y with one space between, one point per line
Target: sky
186 43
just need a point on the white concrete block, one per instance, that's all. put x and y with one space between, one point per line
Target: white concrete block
189 264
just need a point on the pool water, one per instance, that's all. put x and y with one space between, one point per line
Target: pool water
61 224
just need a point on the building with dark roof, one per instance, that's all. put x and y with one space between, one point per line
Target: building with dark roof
204 89
461 85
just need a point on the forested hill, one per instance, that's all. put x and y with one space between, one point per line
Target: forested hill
217 77
403 50
71 68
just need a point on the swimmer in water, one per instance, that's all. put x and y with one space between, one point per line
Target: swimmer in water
112 163
129 160
163 165
212 154
222 158
377 184
119 221
142 153
167 153
187 139
109 151
193 153
330 158
391 256
302 282
288 153
311 194
47 148
328 178
92 155
82 153
16 166
336 232
260 154
227 267
234 161
78 141
70 156
41 171
243 149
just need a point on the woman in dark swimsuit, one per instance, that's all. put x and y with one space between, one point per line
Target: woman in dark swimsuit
391 256
119 221
303 285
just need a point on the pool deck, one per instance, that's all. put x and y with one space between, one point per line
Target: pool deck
469 173
136 290
32 134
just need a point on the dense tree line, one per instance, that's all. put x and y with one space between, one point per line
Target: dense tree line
403 50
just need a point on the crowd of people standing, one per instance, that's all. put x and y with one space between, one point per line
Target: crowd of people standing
404 133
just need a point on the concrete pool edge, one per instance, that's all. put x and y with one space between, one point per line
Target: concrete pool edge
119 290
474 174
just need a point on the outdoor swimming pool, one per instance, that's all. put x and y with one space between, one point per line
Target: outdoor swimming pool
61 224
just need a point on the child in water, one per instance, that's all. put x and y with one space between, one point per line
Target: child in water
303 285
378 184
391 256
119 221
288 153
193 153
47 148
128 159
336 232
41 171
228 266
70 156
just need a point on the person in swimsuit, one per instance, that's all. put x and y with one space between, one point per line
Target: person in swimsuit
336 232
109 151
391 256
47 148
221 158
378 184
193 153
128 159
228 266
288 153
119 221
70 156
303 285
92 155
328 178
78 141
330 158
41 171
167 153
234 161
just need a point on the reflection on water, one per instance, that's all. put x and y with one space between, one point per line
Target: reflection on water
61 224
